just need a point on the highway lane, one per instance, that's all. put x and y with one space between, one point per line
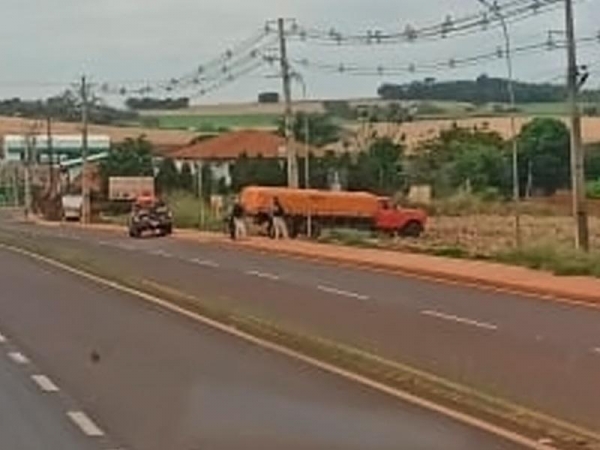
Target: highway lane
156 380
539 353
30 417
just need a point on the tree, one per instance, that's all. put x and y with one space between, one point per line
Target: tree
257 171
167 179
186 178
322 129
592 162
268 97
132 158
544 159
149 103
461 157
385 165
480 167
483 89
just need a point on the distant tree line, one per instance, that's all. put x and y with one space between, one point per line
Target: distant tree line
65 107
482 90
150 103
268 97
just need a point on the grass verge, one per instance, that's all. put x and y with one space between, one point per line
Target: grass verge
551 258
395 375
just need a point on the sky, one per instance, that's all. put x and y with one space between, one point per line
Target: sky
46 45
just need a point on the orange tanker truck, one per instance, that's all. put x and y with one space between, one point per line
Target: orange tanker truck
317 209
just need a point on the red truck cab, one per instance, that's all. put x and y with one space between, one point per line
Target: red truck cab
404 221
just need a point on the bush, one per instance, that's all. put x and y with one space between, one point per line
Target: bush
593 189
191 212
347 236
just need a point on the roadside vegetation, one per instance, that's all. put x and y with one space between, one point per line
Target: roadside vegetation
468 170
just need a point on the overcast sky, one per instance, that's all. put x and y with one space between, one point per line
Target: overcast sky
45 44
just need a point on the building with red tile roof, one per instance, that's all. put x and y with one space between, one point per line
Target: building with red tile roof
221 152
230 146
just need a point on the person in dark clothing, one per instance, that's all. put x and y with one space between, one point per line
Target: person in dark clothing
280 230
237 225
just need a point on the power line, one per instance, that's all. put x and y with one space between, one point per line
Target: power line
344 68
204 75
513 11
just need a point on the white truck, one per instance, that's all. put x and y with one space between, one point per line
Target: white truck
72 207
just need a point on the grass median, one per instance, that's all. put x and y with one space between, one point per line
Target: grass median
389 373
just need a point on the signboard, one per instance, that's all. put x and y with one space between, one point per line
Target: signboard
130 188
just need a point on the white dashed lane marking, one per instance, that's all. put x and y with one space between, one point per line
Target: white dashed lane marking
332 290
596 351
2 339
161 253
85 424
204 262
18 357
461 320
267 276
44 383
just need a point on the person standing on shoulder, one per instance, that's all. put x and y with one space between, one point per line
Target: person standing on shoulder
280 230
238 225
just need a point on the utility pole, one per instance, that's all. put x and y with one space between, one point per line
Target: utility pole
27 174
577 153
85 188
50 149
306 152
292 161
495 9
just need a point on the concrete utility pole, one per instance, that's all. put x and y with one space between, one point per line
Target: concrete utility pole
85 188
300 79
292 160
50 148
577 153
27 174
495 9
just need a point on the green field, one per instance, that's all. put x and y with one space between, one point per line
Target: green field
426 110
212 123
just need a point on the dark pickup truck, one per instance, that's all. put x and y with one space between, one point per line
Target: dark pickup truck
149 215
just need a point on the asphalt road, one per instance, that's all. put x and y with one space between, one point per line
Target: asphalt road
31 419
542 354
154 380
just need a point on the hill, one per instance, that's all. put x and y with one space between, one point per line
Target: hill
482 90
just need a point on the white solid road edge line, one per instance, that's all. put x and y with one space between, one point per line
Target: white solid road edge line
18 357
332 290
397 393
85 424
44 383
457 319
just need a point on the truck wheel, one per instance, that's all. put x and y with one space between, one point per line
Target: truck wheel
135 232
412 229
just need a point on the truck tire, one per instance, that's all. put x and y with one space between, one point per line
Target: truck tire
134 232
412 229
